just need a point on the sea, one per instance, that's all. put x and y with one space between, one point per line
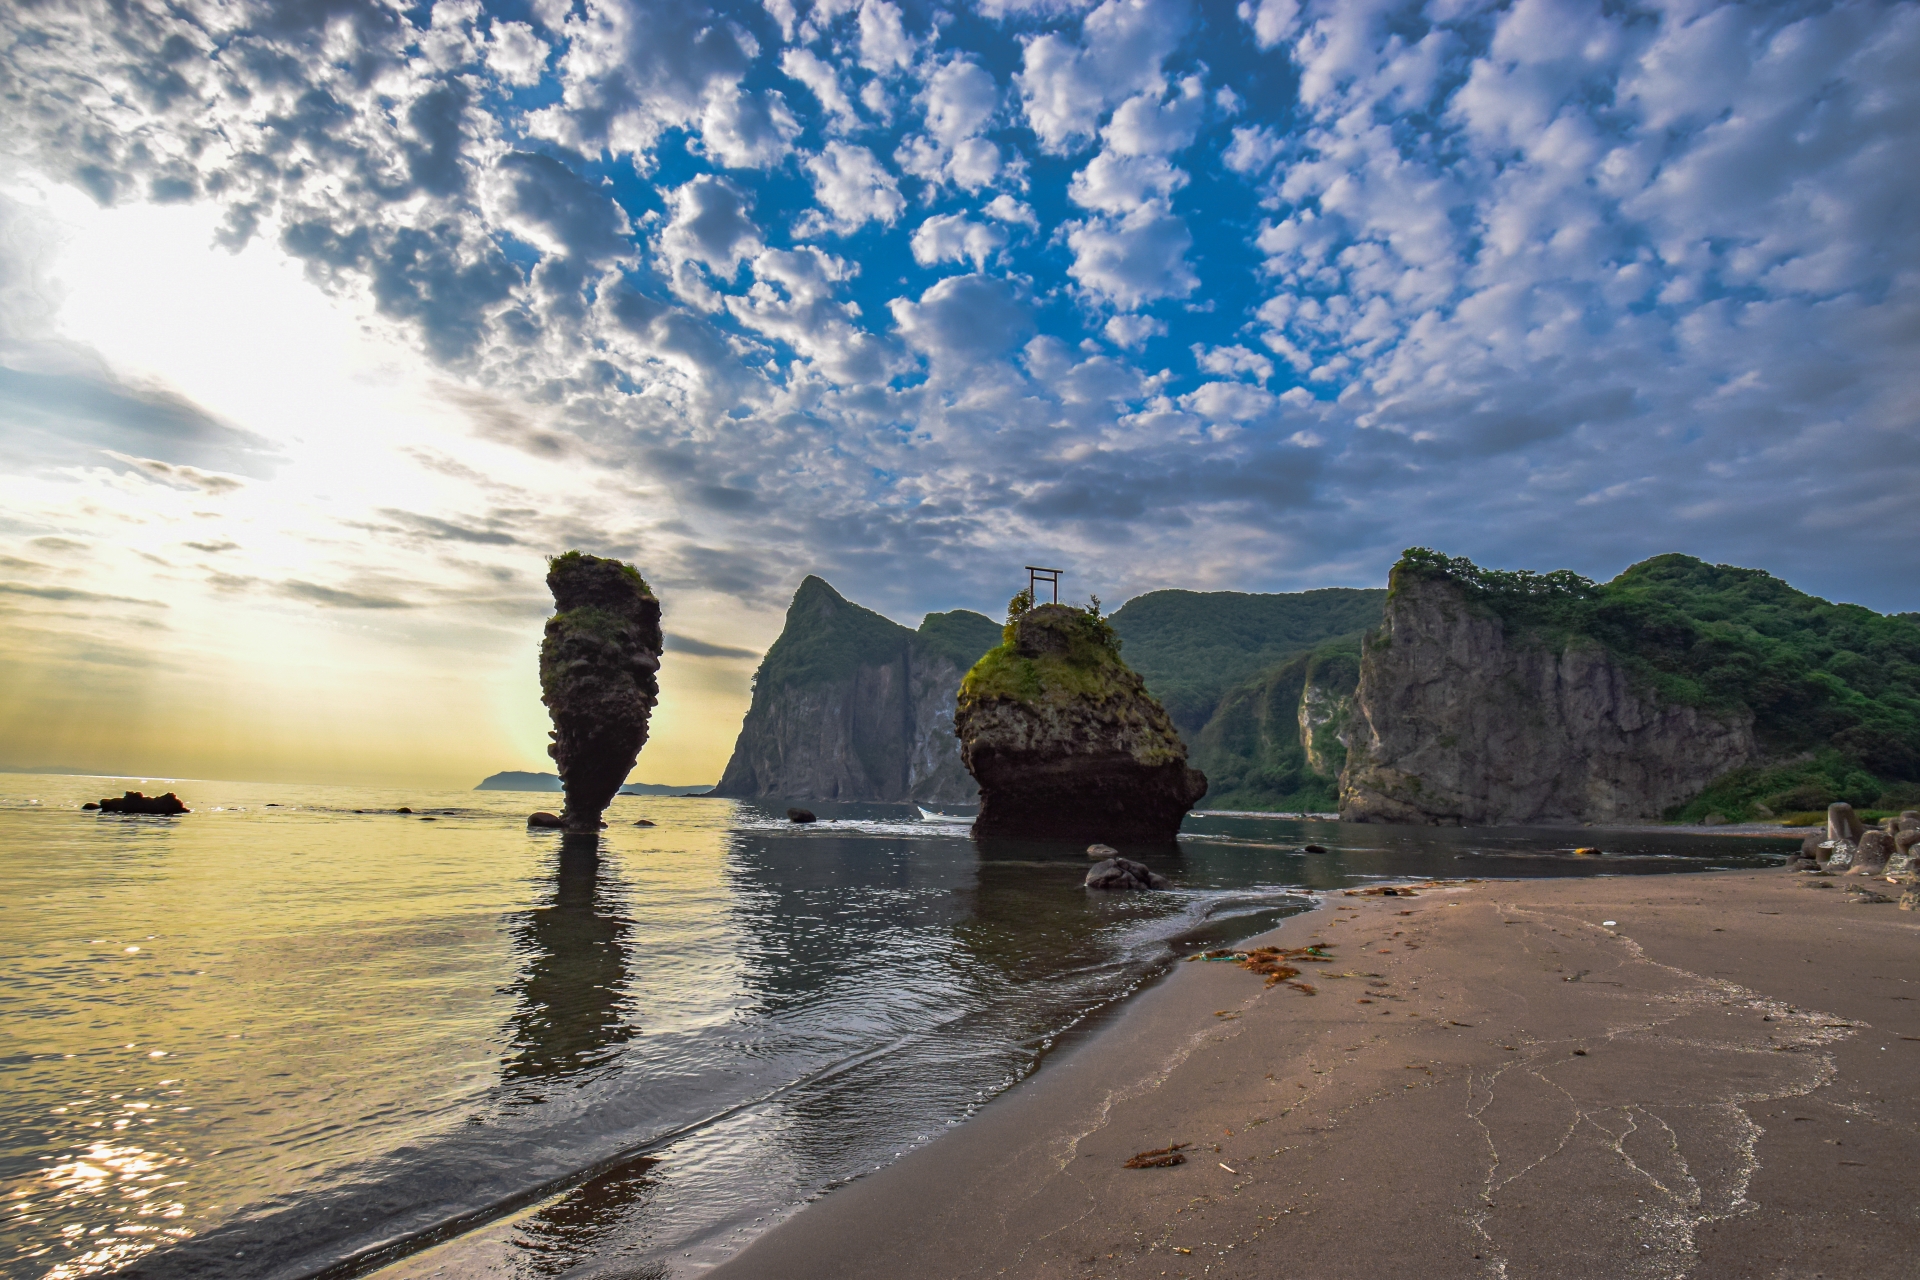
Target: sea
304 1032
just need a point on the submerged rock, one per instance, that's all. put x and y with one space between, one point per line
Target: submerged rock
801 815
599 667
545 820
1064 739
167 805
1124 874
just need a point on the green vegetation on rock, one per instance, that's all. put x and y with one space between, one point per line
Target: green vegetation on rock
1086 666
1191 647
1834 689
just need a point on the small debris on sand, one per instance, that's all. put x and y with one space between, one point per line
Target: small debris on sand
1163 1158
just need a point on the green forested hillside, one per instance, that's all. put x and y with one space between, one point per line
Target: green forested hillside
960 635
1191 647
1834 689
1251 748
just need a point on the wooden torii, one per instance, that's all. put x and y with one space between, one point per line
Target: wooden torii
1036 575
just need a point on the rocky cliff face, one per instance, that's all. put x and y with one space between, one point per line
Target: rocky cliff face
1066 742
849 705
1458 722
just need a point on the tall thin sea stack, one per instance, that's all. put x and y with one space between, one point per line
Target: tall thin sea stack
1064 739
599 676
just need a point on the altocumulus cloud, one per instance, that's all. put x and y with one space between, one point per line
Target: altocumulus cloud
1251 301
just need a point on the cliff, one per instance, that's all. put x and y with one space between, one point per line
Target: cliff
849 705
1461 723
1064 739
1679 689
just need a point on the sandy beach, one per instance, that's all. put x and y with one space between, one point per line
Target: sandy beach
1706 1075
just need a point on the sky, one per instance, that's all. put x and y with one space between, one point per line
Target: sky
324 322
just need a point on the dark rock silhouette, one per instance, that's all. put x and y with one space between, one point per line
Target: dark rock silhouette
546 820
1064 739
801 815
167 805
599 667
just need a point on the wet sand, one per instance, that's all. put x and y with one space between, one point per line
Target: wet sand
1490 1081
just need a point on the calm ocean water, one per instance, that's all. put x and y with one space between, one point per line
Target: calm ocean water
296 1033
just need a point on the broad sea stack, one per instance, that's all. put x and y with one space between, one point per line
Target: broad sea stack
599 676
1064 739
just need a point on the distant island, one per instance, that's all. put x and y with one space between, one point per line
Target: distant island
520 780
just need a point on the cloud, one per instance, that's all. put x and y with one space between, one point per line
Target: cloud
1067 85
885 46
175 473
73 594
810 70
1147 125
516 54
448 530
695 648
708 225
748 130
337 598
954 237
548 205
853 189
1120 184
963 318
959 100
1134 259
1133 332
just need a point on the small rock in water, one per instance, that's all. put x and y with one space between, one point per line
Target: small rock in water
167 805
643 823
1313 848
403 809
801 815
1587 852
1099 851
545 819
91 804
1122 873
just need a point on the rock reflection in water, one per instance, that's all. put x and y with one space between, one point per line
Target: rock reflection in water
571 987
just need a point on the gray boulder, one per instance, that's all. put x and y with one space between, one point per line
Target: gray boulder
1840 855
1843 823
1873 853
1124 874
1099 851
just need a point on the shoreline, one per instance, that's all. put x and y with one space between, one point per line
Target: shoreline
1490 1080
